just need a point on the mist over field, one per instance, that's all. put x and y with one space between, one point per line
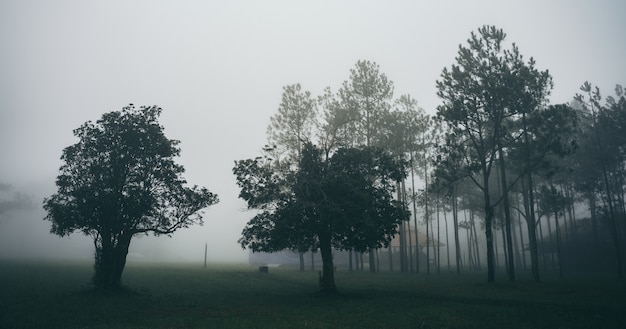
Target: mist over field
218 69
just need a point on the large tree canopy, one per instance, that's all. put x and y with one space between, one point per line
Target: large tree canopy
120 180
344 202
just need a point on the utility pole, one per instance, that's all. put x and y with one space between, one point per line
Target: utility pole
205 250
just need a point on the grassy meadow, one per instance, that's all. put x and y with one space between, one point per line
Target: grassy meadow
58 295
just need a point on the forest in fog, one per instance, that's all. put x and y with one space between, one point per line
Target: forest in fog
312 164
498 178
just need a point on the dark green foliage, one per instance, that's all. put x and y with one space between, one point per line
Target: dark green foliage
120 180
485 94
344 202
601 161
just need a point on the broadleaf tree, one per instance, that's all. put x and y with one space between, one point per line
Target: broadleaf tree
118 181
345 202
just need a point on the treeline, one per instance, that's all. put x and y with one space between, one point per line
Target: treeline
496 157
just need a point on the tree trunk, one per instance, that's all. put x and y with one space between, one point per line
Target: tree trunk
551 241
427 243
507 217
470 254
521 238
455 219
438 240
350 260
476 243
402 233
491 269
110 260
558 244
390 257
408 233
613 226
427 217
372 257
417 248
445 218
516 246
529 202
327 279
301 254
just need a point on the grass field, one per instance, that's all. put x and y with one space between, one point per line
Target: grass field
57 295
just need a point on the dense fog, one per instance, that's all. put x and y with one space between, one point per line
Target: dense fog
218 68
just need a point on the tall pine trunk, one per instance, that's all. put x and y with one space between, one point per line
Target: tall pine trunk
507 218
558 243
455 219
445 218
529 205
491 269
417 249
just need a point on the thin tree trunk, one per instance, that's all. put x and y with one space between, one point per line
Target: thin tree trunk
544 261
516 247
417 251
476 244
522 250
615 238
558 243
402 236
438 240
495 248
390 258
507 217
470 254
552 258
427 218
445 218
504 250
410 256
455 219
529 201
491 273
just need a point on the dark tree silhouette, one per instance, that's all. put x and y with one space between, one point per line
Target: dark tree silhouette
344 202
482 94
120 180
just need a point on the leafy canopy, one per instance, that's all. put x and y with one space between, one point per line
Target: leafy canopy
120 178
345 200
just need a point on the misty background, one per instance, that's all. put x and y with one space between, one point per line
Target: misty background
217 68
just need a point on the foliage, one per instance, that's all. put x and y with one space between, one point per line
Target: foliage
294 123
120 180
483 94
367 97
345 202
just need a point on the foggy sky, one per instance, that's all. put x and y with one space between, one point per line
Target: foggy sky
217 68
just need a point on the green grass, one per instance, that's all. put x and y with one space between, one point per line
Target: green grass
58 295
